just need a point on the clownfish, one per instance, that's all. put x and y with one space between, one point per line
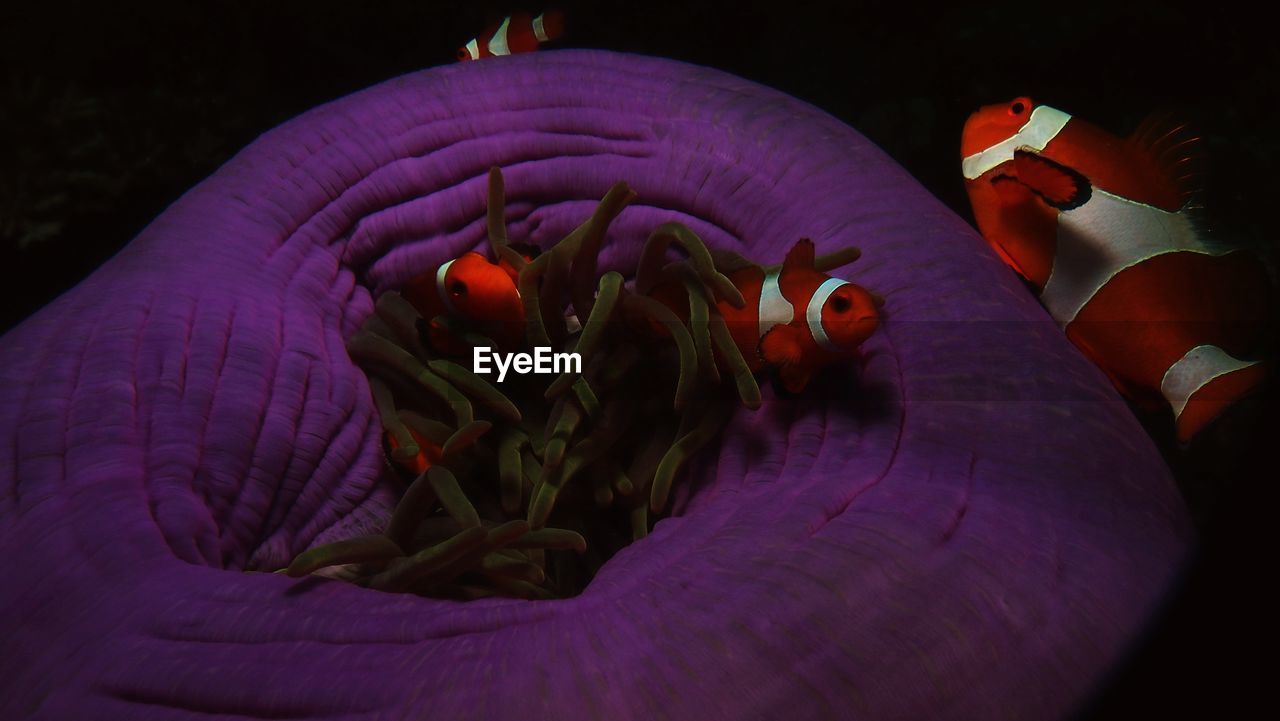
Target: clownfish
471 288
1100 227
796 320
429 455
519 33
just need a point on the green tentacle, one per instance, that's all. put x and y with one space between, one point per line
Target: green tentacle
662 315
655 249
361 549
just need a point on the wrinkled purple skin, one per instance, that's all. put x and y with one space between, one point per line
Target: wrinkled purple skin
973 528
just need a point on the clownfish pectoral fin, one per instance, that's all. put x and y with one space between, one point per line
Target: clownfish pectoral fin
801 255
1173 150
781 345
1058 185
781 349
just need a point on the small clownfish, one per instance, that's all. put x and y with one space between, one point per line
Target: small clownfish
796 319
480 293
519 33
429 455
1100 226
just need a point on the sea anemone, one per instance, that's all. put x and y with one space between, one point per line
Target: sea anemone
973 526
627 422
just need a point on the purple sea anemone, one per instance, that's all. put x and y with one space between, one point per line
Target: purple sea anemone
973 527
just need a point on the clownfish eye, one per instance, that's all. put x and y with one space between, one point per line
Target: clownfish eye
1019 106
463 54
840 304
457 287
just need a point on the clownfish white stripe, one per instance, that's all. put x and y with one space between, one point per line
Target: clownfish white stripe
442 289
1044 125
813 313
774 307
539 31
498 43
1103 237
1193 371
473 49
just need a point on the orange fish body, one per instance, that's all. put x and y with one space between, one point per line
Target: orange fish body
474 290
796 320
1099 226
518 33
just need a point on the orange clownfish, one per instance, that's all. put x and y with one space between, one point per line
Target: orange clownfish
519 33
428 455
471 288
1099 226
797 319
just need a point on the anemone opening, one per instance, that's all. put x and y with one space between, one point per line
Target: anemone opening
527 485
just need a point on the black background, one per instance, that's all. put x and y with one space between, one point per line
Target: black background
110 113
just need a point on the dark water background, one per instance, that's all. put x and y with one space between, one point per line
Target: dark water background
109 113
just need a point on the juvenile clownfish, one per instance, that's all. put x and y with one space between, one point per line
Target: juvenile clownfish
471 288
429 455
519 33
796 319
1100 226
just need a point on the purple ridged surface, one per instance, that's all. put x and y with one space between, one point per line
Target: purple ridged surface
973 528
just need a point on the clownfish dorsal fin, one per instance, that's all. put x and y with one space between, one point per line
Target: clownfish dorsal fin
1058 185
801 255
1173 149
